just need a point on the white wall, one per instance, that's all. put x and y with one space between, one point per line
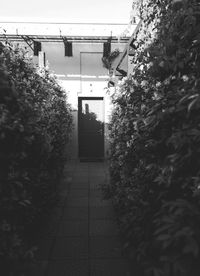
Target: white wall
82 75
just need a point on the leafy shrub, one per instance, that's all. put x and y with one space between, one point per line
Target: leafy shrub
35 125
155 142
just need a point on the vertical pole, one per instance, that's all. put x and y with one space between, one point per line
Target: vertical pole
42 59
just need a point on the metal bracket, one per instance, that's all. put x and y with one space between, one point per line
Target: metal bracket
68 47
29 41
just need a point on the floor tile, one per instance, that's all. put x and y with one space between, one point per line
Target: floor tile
102 227
68 268
70 248
109 267
37 269
75 213
99 202
96 193
81 239
79 185
95 185
80 176
73 228
105 247
77 201
101 212
78 192
97 179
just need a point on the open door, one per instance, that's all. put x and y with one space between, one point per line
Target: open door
91 128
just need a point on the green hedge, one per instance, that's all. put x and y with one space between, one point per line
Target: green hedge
155 142
35 126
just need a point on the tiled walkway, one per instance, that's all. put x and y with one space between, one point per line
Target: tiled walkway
82 238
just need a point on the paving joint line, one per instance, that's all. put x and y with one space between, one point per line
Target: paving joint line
57 228
89 261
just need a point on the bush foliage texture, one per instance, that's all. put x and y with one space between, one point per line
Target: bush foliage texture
155 141
35 124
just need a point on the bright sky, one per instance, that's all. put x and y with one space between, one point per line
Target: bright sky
73 11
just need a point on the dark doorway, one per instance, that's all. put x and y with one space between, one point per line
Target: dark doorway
91 128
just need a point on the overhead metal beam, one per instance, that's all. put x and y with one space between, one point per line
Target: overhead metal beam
76 39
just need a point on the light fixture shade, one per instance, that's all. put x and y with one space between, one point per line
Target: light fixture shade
37 47
106 48
68 49
121 71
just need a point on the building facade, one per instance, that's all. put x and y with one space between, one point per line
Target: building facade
73 52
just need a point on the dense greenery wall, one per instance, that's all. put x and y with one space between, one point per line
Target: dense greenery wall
35 125
155 142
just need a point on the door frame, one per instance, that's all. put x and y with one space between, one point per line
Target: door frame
80 98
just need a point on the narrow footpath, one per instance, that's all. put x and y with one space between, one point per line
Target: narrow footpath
81 238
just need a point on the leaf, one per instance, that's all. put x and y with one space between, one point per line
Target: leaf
191 105
163 237
164 228
191 247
